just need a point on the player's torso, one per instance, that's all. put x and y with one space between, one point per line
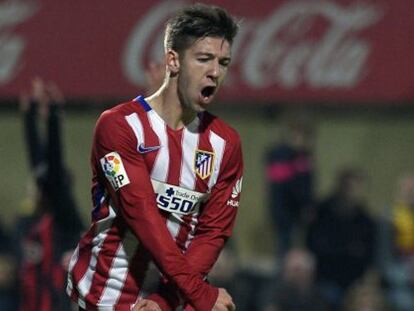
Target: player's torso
183 165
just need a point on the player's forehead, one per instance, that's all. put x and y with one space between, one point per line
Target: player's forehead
216 46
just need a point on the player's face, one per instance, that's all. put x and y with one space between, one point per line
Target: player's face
203 67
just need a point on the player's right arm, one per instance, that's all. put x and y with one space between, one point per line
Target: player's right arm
136 203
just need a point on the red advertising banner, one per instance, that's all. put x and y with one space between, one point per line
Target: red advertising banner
303 51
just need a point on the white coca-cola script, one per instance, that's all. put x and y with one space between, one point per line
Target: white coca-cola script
318 44
12 45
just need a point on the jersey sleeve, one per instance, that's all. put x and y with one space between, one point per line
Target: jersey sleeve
134 197
215 223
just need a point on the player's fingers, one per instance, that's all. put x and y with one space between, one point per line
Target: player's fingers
146 305
152 308
148 308
231 307
140 305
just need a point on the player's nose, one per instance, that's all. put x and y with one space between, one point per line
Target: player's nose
214 69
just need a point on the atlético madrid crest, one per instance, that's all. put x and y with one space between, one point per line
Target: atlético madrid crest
203 163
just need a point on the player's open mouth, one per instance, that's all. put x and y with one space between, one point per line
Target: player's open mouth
208 92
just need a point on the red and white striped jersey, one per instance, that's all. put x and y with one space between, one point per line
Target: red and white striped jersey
193 175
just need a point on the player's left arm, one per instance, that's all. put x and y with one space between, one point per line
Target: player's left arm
215 224
218 216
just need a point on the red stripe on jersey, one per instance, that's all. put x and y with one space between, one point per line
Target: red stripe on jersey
104 263
136 275
185 229
82 264
175 154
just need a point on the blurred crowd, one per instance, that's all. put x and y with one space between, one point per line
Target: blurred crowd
331 253
35 254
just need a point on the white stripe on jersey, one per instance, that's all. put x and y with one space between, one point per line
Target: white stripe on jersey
119 270
189 145
102 228
136 125
116 279
218 145
173 225
73 260
84 284
162 161
188 176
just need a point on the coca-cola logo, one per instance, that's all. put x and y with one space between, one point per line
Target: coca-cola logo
12 45
312 43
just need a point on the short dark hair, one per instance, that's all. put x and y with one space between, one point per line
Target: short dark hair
199 21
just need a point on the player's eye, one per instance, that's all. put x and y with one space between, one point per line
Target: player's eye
224 62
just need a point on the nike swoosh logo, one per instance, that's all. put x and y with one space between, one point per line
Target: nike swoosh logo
143 149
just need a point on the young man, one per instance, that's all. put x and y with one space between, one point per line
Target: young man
167 178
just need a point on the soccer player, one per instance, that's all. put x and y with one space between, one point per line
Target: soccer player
167 178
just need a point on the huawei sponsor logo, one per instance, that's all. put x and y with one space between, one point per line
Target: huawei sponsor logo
235 193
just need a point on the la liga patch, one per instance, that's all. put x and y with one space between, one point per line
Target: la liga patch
114 170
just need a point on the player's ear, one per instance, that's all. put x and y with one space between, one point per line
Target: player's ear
173 62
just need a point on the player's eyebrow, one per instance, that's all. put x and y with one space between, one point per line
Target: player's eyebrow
208 54
211 56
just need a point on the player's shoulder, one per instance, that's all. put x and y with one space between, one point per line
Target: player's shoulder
117 113
220 127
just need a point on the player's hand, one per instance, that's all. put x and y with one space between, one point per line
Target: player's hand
146 305
224 301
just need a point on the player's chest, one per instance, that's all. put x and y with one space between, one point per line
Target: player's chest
191 160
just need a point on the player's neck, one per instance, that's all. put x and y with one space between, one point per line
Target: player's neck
168 106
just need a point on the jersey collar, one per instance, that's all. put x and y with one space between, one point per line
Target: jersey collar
141 100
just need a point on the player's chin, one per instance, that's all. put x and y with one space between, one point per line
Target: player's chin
198 107
205 101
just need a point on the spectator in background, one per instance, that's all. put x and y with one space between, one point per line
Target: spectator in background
403 219
8 288
342 236
295 288
289 171
224 272
47 237
397 246
366 295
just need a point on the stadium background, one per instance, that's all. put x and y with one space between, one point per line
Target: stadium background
356 83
